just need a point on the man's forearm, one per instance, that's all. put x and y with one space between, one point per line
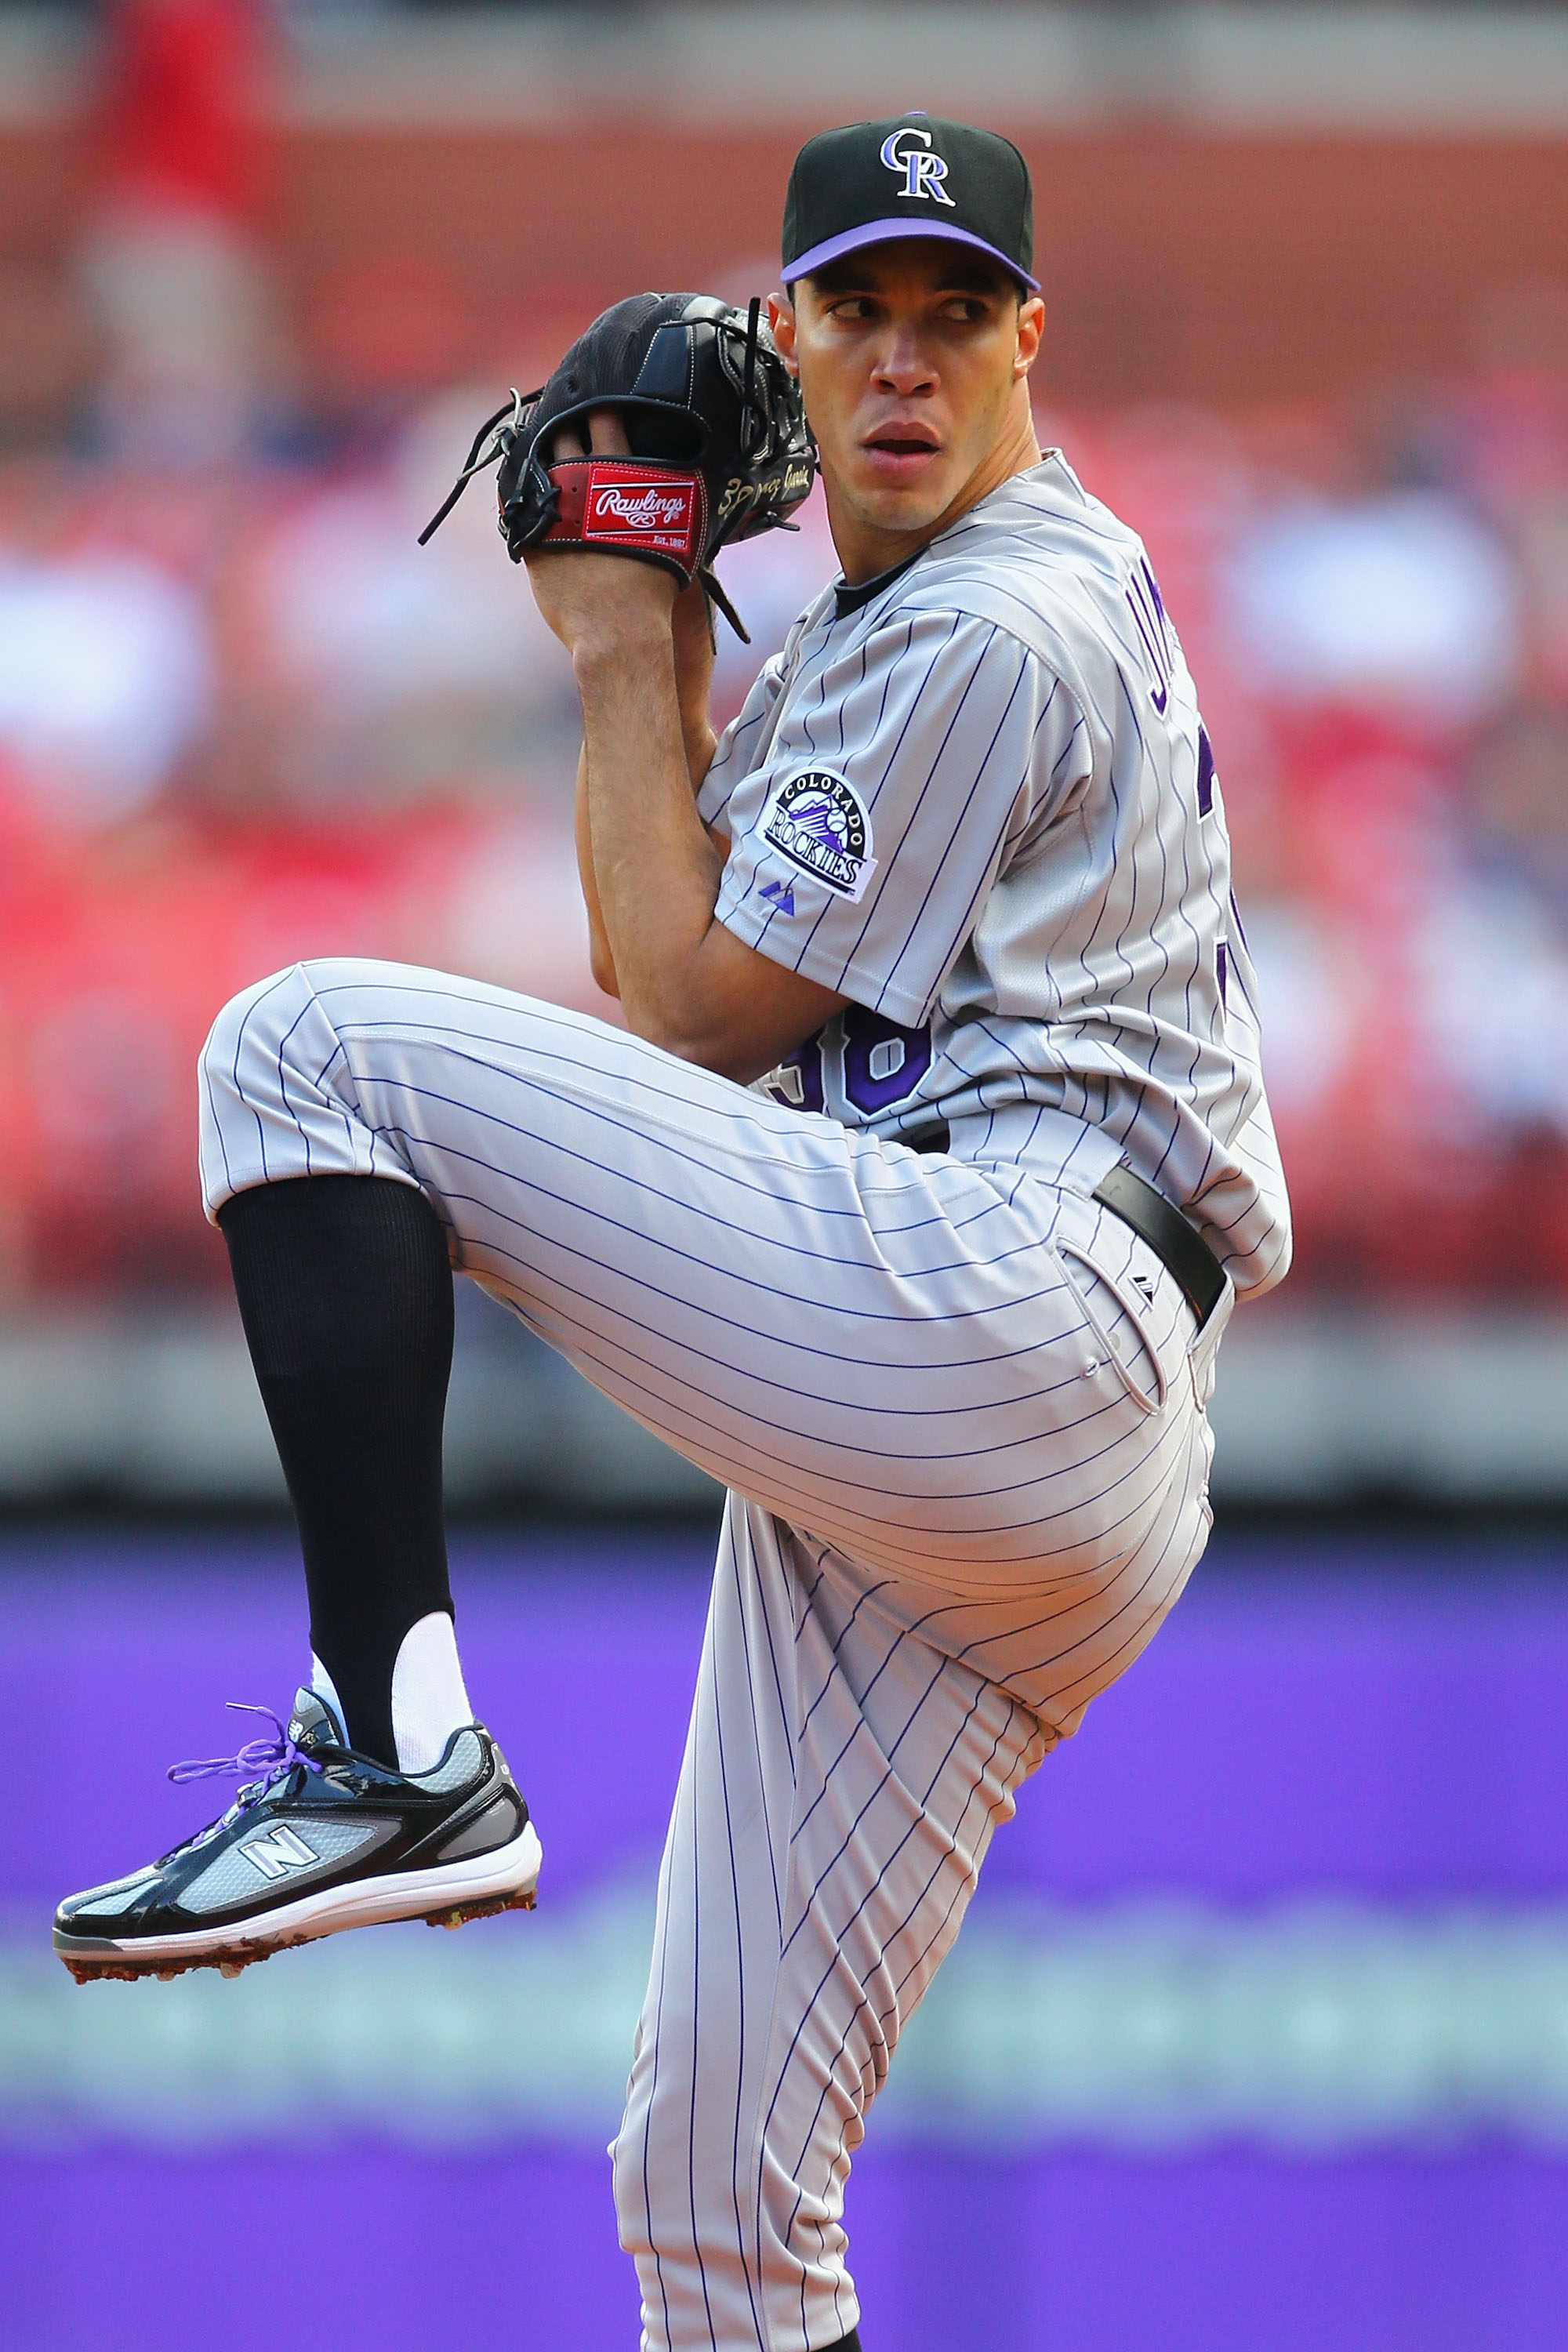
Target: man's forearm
691 632
693 648
600 962
641 659
654 865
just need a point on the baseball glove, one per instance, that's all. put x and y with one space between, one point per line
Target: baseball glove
719 446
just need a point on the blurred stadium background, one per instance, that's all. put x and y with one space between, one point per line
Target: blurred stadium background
1258 2036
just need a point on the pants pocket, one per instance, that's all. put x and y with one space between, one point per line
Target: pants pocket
1136 1318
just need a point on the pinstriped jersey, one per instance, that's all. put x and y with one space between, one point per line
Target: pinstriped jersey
977 799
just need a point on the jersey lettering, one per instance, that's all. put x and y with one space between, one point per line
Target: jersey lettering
1240 926
1148 611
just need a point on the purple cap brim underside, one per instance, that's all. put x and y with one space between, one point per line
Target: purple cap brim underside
884 232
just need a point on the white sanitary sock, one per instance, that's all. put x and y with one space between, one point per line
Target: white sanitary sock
428 1700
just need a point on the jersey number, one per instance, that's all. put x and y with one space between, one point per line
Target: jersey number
882 1062
882 1065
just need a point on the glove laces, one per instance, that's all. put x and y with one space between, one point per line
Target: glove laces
508 419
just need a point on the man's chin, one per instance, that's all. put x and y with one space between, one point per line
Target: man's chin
903 511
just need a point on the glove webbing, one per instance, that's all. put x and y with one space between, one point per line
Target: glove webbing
511 415
623 481
574 524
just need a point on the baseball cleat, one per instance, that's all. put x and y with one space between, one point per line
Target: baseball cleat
322 1839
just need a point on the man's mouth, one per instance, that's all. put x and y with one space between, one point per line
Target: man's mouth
900 453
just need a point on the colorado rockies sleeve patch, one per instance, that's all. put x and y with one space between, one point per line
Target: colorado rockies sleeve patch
818 821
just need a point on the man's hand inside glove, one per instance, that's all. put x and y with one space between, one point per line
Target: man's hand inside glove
697 437
586 598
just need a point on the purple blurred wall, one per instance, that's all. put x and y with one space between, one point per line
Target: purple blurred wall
1384 1723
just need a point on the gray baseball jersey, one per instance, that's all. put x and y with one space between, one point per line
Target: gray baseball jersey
977 799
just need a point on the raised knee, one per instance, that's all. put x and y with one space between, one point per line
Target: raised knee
262 1113
226 1039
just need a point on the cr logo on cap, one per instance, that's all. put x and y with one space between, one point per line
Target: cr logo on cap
923 173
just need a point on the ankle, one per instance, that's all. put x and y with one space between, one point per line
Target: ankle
429 1701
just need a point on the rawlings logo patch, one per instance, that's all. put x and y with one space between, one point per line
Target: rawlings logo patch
643 509
622 507
820 823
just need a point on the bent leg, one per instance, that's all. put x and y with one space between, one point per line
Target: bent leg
882 1347
839 1788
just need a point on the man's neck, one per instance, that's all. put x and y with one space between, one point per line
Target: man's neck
866 550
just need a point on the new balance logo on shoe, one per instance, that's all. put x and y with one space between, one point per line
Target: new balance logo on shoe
278 1852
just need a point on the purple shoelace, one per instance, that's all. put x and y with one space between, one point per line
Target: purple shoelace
257 1757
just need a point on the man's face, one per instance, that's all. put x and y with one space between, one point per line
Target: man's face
913 359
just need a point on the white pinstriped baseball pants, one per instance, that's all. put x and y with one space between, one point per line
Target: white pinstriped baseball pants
960 1413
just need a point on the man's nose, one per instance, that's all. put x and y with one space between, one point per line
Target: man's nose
903 366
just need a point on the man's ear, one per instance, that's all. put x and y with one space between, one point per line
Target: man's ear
1031 326
781 321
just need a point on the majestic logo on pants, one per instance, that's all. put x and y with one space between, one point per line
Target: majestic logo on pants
819 823
922 171
277 1853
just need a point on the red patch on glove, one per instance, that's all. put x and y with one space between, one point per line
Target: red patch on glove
631 509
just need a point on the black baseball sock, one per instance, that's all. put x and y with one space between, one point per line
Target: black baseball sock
345 1293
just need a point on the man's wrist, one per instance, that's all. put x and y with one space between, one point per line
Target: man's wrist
638 642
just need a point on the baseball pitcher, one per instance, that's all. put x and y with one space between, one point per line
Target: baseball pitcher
911 1202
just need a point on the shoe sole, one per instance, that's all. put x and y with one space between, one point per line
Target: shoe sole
473 1889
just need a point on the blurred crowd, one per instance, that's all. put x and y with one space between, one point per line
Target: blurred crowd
244 717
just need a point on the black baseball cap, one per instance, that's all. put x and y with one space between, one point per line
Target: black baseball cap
912 175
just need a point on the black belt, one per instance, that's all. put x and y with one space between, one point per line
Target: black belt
1179 1248
1175 1242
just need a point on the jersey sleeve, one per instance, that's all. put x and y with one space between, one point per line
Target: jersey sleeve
738 745
893 790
